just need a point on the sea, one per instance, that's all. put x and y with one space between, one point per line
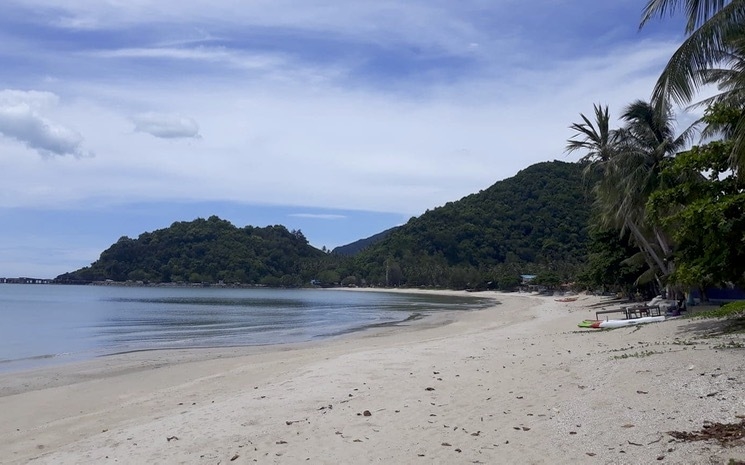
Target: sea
45 325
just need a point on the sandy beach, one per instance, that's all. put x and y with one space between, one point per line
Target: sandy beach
515 383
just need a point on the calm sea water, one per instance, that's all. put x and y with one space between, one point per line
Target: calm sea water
42 325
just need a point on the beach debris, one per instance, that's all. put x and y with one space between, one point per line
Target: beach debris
172 438
281 442
234 458
627 425
357 440
429 389
642 392
367 413
458 450
634 443
591 454
447 444
724 433
660 457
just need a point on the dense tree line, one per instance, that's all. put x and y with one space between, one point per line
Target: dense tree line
533 223
677 208
209 251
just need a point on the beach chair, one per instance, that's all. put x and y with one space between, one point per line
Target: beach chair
608 311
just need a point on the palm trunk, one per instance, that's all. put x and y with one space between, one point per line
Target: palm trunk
646 247
664 243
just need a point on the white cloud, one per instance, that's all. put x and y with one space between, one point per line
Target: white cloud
22 119
288 143
305 124
166 126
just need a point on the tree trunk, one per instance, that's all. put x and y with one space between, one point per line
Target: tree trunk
646 246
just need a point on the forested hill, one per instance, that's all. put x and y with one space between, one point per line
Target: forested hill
535 221
208 250
357 246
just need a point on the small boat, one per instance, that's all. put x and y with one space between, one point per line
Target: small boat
620 323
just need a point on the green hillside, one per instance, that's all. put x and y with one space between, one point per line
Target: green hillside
533 222
357 246
209 251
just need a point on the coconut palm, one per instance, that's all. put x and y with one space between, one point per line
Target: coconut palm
602 147
629 161
730 79
647 140
710 25
715 32
597 139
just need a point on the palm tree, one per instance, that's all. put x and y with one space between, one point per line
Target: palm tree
647 141
715 32
599 142
629 161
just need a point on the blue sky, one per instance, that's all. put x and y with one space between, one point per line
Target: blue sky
341 119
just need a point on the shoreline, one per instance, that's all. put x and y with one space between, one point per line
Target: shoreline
513 383
60 360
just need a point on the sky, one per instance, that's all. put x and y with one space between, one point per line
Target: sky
340 119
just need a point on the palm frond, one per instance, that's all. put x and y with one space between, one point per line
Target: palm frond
701 50
697 11
596 138
647 277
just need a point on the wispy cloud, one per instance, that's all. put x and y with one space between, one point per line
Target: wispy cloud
317 216
166 126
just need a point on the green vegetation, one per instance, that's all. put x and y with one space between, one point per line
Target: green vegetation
208 251
533 223
682 208
357 246
732 310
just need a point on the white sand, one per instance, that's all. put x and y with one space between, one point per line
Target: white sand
517 383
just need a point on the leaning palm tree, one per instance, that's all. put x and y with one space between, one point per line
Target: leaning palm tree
648 140
629 161
713 29
607 157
